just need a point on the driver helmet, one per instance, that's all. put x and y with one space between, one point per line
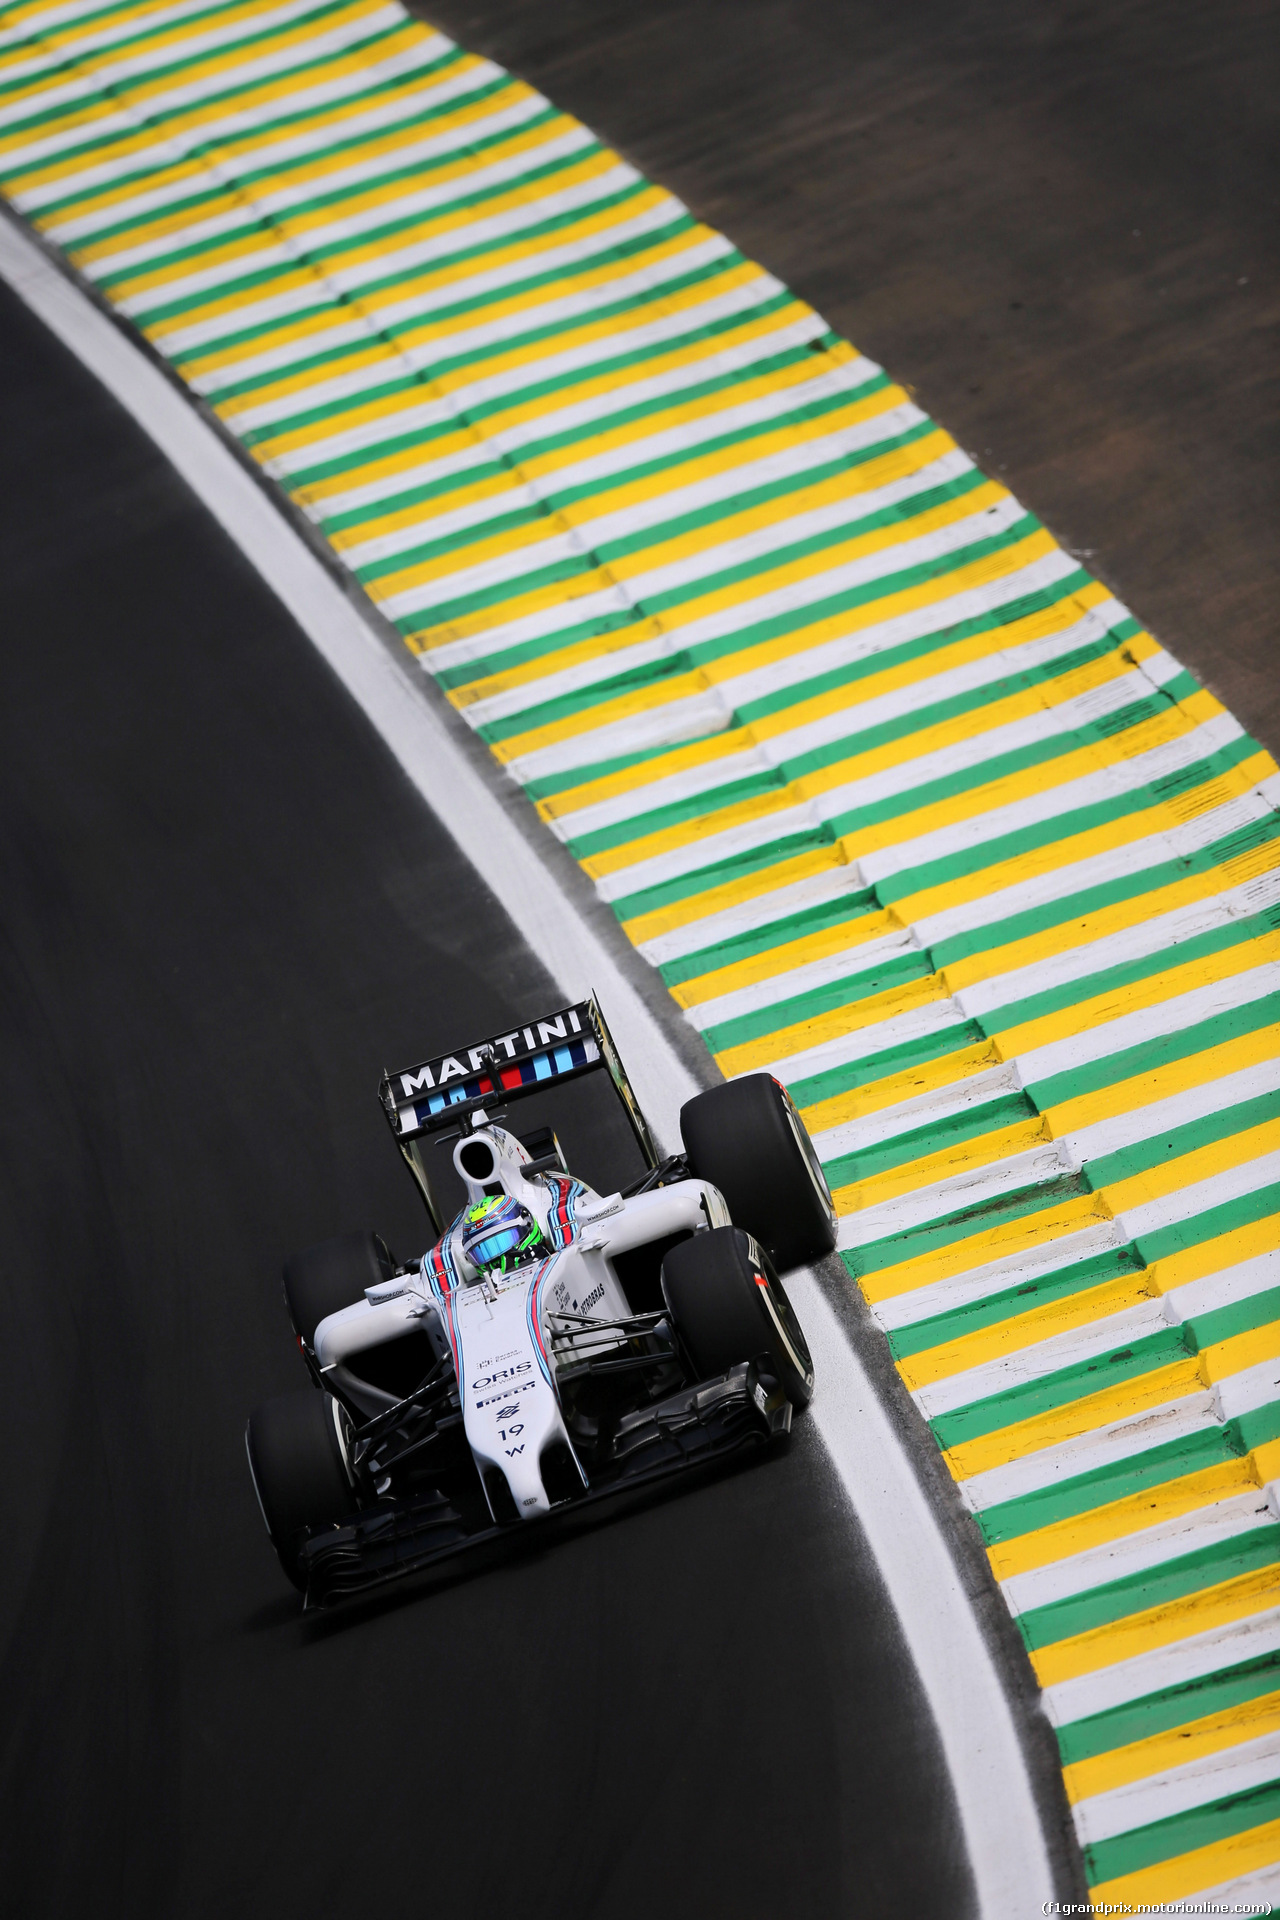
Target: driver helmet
498 1233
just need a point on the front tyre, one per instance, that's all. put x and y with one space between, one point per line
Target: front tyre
296 1456
326 1278
746 1138
729 1305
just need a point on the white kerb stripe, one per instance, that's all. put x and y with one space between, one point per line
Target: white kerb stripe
1225 1288
1236 1769
1254 1893
1171 1666
1033 1261
1042 1358
1248 1390
1086 1452
1137 1552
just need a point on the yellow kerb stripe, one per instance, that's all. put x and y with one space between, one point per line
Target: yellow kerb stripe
1138 911
610 495
529 354
1086 1415
909 1083
350 61
731 893
1160 1626
1025 1330
1049 858
1215 1256
662 552
896 464
1112 1404
1063 854
1213 1733
845 937
870 1012
790 719
1192 1873
494 619
216 304
149 93
803 639
965 1156
64 166
419 461
977 1250
385 409
167 38
309 168
232 146
50 35
903 752
439 335
1179 1076
298 225
1086 1016
1120 1518
982 1149
1189 1168
1242 1350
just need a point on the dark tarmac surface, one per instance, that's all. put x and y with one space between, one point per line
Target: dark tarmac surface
223 912
1056 220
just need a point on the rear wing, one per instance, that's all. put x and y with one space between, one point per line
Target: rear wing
442 1093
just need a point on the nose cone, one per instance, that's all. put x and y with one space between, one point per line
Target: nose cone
510 1407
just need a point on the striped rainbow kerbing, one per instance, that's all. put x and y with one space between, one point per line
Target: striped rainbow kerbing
903 805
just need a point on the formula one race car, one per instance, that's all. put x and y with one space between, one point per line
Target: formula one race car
554 1345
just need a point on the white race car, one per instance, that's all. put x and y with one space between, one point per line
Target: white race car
553 1346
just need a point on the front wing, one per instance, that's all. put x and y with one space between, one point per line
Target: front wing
692 1428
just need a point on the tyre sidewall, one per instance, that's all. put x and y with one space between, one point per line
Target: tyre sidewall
728 1305
330 1276
299 1470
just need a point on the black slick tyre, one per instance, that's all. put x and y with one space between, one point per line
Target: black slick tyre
323 1279
296 1459
746 1138
729 1305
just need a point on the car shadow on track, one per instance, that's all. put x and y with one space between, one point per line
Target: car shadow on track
521 1544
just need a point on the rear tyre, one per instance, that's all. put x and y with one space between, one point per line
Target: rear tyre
729 1305
323 1279
746 1138
299 1473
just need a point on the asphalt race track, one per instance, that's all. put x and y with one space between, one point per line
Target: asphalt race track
224 912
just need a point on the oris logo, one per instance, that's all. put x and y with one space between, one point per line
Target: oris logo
501 1373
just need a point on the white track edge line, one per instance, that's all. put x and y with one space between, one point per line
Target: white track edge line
1007 1851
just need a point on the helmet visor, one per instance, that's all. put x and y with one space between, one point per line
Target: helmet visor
496 1245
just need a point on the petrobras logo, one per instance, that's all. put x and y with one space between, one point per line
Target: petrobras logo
509 1391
